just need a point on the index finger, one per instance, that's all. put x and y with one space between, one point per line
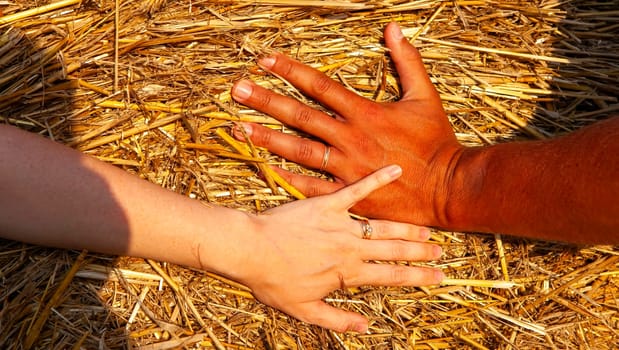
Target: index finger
351 194
317 85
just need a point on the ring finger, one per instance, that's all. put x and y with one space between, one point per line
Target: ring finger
310 153
387 230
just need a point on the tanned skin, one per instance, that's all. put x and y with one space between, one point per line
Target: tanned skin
563 189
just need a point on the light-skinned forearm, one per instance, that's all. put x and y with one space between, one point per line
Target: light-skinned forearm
55 196
560 189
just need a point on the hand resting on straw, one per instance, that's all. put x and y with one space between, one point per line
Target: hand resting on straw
560 189
291 256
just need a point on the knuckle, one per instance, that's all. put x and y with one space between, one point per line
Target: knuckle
371 110
262 101
302 115
398 251
304 151
381 230
399 275
312 189
339 245
344 326
285 67
322 84
290 178
367 142
262 138
357 192
363 144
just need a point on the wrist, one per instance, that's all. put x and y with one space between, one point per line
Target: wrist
222 247
467 174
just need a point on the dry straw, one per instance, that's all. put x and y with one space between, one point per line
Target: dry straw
145 85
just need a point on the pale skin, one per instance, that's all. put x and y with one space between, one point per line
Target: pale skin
291 256
561 189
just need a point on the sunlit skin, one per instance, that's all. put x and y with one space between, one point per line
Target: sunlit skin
291 256
561 189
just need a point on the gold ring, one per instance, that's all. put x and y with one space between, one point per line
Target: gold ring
325 158
366 229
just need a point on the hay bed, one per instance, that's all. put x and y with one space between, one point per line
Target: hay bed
140 83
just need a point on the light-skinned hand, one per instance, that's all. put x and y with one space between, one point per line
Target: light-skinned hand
321 250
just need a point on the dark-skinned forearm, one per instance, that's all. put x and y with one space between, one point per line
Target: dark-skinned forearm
561 189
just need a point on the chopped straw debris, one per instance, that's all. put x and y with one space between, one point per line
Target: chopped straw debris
145 85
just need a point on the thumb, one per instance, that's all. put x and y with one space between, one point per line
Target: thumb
413 75
324 315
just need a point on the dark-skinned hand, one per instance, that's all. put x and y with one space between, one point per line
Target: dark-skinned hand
413 132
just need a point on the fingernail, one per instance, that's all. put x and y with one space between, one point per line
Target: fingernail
439 275
361 329
424 233
396 32
394 171
438 251
248 129
267 62
242 90
238 133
